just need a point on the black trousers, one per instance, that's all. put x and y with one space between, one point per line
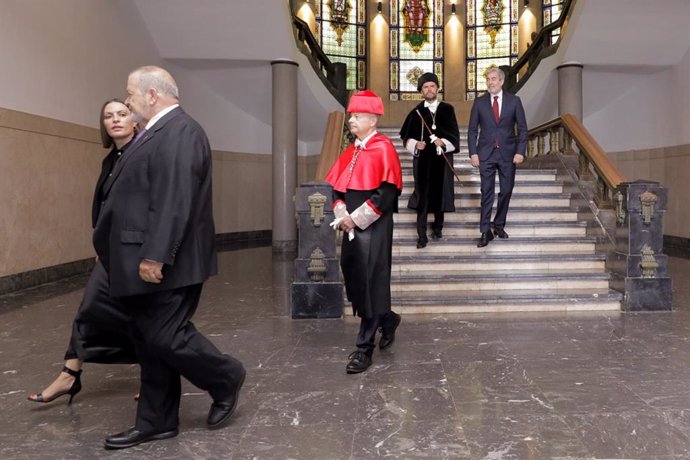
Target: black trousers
429 188
100 330
169 346
366 337
488 169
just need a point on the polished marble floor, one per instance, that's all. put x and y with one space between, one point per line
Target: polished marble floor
517 386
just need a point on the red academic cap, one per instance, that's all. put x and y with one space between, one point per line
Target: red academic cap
365 102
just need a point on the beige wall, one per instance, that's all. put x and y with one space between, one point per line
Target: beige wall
49 169
242 198
669 166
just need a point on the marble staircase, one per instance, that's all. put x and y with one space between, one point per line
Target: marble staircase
549 263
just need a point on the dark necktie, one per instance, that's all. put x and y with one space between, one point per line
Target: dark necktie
496 117
495 107
139 136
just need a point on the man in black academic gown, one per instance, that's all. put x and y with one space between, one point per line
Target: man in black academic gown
430 133
366 182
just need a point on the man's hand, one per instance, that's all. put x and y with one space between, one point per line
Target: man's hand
421 145
474 159
517 159
150 271
439 143
347 224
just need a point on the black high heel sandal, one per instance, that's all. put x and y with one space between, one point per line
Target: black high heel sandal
73 390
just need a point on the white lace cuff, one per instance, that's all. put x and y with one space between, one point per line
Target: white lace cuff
365 215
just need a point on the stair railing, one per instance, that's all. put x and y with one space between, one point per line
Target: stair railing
593 163
332 144
629 213
332 74
541 48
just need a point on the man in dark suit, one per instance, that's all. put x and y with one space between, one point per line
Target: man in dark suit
495 148
155 237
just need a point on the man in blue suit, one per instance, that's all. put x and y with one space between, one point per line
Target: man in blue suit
495 148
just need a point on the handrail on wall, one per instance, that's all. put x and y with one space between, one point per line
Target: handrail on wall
332 74
541 48
602 169
332 143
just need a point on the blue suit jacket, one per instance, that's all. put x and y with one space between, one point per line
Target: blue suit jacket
483 131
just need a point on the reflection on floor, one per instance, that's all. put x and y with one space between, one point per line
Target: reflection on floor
522 386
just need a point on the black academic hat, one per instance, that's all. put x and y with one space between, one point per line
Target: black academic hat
425 78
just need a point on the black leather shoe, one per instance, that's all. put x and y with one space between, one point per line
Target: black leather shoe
359 362
484 240
388 330
499 232
134 437
436 234
220 411
421 243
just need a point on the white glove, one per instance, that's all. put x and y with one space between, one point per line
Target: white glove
439 150
336 223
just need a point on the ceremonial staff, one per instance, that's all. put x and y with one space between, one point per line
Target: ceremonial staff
433 137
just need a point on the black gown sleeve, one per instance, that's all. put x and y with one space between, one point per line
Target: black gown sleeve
385 197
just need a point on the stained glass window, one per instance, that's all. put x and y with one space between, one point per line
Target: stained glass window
341 32
552 11
416 45
492 39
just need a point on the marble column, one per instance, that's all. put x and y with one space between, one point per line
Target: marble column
570 89
284 150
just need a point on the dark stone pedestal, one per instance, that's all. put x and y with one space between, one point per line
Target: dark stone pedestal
639 267
644 294
317 300
316 291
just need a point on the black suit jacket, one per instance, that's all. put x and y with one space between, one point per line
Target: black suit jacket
106 168
483 131
157 205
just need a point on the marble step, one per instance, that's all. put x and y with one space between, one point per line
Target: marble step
515 214
510 246
526 200
472 175
428 263
520 187
459 230
513 301
460 159
439 281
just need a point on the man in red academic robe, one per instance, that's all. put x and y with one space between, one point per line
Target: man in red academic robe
367 181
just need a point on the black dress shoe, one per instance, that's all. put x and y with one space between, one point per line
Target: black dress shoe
421 243
359 362
436 234
484 240
499 232
388 330
220 411
134 437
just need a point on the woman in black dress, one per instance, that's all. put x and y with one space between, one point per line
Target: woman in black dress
100 328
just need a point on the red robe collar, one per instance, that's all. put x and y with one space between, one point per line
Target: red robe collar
377 163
